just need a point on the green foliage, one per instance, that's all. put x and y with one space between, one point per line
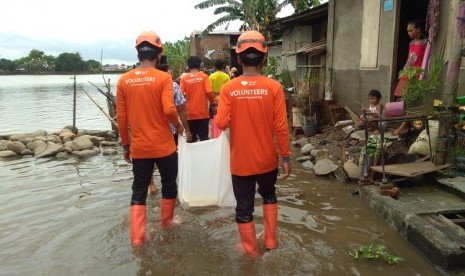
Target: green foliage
416 90
255 14
37 62
271 68
286 78
7 65
374 252
70 63
177 54
372 146
93 66
305 90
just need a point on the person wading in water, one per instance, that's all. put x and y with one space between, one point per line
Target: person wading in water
145 103
254 108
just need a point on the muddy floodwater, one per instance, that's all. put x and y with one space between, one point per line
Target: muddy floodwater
71 218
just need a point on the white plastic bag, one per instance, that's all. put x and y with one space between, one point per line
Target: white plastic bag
204 174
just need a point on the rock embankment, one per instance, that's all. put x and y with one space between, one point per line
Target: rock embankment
61 144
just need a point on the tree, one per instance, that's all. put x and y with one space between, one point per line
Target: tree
255 14
7 65
177 54
93 66
302 5
37 62
70 63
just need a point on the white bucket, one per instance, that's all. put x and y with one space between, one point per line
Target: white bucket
328 95
297 117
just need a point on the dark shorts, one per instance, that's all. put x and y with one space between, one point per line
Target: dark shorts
143 171
244 190
199 129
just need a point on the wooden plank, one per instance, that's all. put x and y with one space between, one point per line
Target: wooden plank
453 231
410 169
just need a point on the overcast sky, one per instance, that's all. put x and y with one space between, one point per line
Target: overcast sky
90 26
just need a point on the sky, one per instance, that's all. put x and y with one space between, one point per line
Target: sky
91 27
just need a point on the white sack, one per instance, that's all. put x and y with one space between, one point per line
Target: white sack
204 174
421 144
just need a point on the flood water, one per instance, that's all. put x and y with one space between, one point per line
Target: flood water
29 103
72 218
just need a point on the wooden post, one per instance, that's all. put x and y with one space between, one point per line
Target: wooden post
455 58
74 106
111 107
450 87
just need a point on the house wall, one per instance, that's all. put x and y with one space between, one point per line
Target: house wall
294 38
348 80
219 43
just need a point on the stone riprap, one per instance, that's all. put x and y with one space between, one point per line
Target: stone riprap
60 144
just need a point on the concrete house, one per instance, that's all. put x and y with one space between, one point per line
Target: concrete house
215 45
366 44
302 47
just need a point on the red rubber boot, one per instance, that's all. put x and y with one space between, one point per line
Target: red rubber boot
248 238
137 224
167 210
270 220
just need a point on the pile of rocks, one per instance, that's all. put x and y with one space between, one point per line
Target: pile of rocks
61 144
321 158
335 152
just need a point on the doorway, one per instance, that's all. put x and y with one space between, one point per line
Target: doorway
409 10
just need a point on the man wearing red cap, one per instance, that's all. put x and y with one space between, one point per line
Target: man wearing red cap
253 106
145 105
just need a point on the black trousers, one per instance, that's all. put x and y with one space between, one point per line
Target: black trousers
244 192
199 129
143 170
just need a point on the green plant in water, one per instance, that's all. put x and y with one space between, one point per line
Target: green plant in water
374 252
372 146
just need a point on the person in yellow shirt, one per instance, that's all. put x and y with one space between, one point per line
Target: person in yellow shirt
217 79
254 108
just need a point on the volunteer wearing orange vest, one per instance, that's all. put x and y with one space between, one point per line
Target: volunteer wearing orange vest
253 107
145 103
198 92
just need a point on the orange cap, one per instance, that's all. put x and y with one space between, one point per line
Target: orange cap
150 37
251 39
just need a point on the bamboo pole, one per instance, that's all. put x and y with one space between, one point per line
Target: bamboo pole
74 105
111 105
101 109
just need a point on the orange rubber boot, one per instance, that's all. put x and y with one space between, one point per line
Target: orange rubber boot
137 224
270 219
167 210
247 232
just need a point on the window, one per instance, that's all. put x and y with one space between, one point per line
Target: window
370 34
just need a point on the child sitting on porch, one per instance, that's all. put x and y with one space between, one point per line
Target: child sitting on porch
375 110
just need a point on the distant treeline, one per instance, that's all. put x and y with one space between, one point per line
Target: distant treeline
37 62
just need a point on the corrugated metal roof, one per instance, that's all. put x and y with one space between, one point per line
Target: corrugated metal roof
313 48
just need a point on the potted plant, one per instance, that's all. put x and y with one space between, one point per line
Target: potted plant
422 84
303 100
